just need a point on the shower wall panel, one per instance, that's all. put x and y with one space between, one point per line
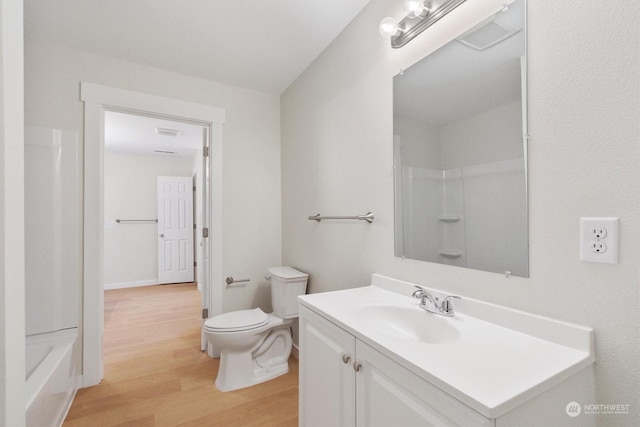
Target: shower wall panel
53 221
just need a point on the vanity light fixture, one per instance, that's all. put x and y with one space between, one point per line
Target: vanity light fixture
415 8
419 15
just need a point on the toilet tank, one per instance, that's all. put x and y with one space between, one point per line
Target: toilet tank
286 284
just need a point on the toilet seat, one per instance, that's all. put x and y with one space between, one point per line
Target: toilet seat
241 320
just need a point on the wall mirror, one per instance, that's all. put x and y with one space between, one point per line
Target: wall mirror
460 150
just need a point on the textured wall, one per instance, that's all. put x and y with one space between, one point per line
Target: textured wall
583 161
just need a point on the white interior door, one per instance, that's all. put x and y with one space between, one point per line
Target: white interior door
175 229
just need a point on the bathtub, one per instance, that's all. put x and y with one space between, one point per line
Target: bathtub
51 376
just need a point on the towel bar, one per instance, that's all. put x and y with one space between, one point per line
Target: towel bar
366 217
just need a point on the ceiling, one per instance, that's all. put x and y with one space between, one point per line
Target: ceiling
262 45
134 134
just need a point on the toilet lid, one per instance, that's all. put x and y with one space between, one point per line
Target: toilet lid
236 320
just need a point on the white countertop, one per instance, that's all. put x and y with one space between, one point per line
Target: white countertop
501 358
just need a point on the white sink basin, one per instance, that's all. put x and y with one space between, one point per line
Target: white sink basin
410 323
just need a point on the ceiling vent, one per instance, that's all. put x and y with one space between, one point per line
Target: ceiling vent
168 132
489 34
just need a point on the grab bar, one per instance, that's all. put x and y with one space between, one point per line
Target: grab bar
230 280
366 217
119 221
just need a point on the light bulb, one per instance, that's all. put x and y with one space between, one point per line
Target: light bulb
414 8
388 27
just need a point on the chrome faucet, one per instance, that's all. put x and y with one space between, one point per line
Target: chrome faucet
436 305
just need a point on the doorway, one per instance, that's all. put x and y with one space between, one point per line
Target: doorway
149 191
97 101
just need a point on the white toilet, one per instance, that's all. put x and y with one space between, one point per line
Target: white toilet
254 345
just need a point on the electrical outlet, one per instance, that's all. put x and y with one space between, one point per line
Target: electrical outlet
598 246
599 240
598 232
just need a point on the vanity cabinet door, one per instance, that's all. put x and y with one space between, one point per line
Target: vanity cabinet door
327 378
388 394
345 382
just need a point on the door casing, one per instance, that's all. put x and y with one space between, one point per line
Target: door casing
98 99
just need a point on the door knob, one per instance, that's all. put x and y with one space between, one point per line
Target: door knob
356 366
345 358
162 235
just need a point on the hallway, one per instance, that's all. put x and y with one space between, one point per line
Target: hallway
156 375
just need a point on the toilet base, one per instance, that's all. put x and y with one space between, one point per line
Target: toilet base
271 372
230 380
244 369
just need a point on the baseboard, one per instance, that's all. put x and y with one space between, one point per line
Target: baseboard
295 351
134 284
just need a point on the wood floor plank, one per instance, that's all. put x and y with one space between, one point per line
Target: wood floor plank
156 375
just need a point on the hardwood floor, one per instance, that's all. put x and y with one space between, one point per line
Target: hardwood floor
156 375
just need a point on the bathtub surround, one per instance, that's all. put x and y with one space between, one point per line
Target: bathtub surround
445 216
52 376
337 150
12 313
53 219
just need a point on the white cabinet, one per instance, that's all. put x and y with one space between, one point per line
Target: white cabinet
345 382
327 382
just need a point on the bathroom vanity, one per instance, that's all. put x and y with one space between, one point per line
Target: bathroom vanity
371 357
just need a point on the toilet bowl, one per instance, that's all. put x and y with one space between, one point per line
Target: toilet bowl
255 346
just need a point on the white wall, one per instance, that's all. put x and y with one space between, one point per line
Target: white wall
12 361
251 181
420 143
482 138
490 136
583 115
130 192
